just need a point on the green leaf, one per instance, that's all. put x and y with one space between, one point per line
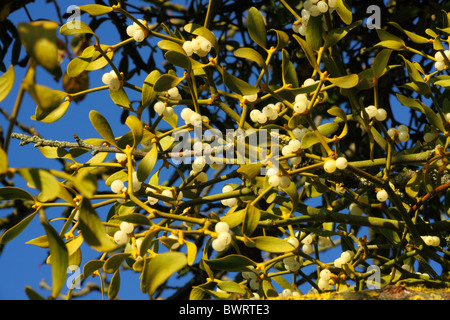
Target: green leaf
33 295
346 82
136 127
344 11
179 59
391 44
309 139
414 37
42 180
380 62
256 27
6 82
412 187
308 52
314 31
114 262
3 162
159 268
93 229
268 289
146 165
252 55
13 193
13 232
71 28
92 266
238 85
272 244
337 34
50 105
282 39
114 286
251 219
120 98
59 254
102 126
251 170
417 105
166 82
96 9
231 286
232 263
288 70
40 42
191 252
148 92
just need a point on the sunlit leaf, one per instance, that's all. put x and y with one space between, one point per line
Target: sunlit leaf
40 41
251 219
75 27
256 27
42 180
96 9
344 11
6 82
147 164
93 229
13 232
59 254
272 244
102 126
159 268
232 263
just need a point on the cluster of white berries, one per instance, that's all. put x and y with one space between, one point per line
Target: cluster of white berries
301 103
118 186
191 117
293 147
345 257
312 8
199 45
122 236
230 202
379 114
431 240
401 132
440 60
307 241
161 108
223 236
286 293
276 178
111 79
331 165
268 113
136 32
324 279
252 277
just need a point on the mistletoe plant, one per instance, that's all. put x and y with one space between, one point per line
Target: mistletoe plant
255 149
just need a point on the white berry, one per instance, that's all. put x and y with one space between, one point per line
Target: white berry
330 166
341 163
382 195
117 186
126 227
222 227
121 237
